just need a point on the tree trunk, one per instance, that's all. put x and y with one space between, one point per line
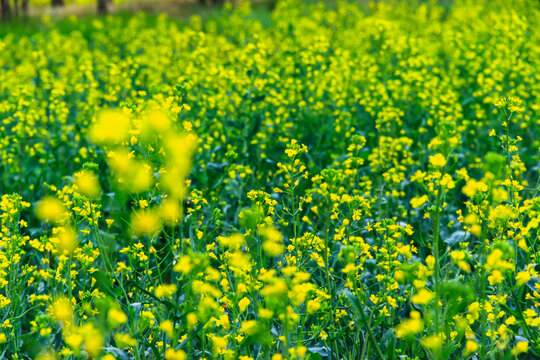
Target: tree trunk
25 7
5 9
57 3
102 7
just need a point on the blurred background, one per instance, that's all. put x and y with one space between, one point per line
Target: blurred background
20 9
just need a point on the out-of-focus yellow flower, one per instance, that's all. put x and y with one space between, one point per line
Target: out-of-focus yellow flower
124 340
170 211
165 290
471 347
432 342
520 348
47 355
172 354
50 209
243 304
219 343
111 127
273 241
132 175
523 277
437 160
167 327
411 326
87 183
418 201
116 317
67 239
74 340
422 297
155 121
61 310
93 339
145 222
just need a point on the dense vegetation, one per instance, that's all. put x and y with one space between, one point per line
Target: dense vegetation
335 181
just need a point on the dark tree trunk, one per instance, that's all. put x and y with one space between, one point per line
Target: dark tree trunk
102 7
5 9
211 2
25 7
57 2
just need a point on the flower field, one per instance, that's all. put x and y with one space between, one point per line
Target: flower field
323 181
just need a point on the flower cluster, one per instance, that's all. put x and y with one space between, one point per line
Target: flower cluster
345 181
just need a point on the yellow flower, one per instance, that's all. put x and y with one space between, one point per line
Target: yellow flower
116 317
273 243
432 342
219 343
87 184
471 347
172 354
243 304
110 127
156 121
192 320
124 340
93 339
67 239
496 277
520 348
165 290
323 335
50 209
422 297
447 182
62 310
418 201
74 340
145 222
437 160
411 326
170 211
249 327
523 277
167 327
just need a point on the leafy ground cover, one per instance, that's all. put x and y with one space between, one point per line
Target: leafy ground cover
336 181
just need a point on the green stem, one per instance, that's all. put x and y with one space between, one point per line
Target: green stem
437 270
